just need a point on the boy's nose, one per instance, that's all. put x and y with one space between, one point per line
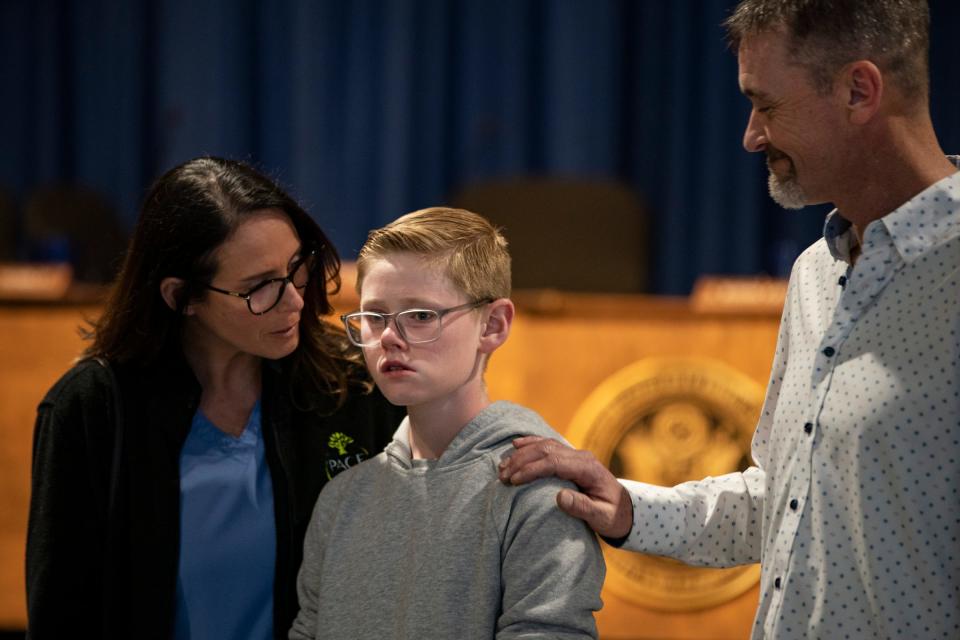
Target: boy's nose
391 338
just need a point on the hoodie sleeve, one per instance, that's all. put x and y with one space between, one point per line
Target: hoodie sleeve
308 580
552 568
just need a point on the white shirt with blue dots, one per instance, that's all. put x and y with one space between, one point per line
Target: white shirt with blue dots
853 508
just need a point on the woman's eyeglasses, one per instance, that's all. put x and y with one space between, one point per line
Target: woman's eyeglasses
267 294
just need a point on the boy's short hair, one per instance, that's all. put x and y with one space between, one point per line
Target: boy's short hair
472 251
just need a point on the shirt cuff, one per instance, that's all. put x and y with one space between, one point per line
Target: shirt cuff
658 520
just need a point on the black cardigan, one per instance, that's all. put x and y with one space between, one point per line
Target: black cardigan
113 575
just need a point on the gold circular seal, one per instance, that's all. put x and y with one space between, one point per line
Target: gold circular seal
665 421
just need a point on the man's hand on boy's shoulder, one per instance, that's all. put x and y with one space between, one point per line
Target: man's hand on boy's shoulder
603 503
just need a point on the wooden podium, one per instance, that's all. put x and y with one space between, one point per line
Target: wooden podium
562 348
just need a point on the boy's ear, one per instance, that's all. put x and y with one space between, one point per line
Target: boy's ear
169 290
496 327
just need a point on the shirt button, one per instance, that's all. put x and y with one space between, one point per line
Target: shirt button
829 351
808 427
793 504
842 281
776 583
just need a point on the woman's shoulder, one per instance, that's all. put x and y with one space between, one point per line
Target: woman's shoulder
78 405
85 379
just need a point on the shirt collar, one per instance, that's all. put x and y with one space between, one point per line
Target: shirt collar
838 233
925 221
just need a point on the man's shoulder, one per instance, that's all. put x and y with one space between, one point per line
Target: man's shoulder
815 254
814 266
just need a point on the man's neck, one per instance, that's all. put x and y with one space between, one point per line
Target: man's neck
907 162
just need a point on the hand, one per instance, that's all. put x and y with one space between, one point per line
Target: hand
602 502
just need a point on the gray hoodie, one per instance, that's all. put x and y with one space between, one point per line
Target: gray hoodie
402 548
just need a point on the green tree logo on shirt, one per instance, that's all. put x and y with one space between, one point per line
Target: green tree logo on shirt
339 441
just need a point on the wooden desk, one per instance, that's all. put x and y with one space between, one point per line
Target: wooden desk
561 348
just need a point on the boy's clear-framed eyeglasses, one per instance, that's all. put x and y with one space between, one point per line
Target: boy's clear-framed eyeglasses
265 295
415 326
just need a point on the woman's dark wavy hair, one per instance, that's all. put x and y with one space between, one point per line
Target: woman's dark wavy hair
187 214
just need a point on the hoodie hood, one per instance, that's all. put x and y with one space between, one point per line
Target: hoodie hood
491 430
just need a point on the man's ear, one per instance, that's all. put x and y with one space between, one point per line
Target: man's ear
496 327
862 86
170 290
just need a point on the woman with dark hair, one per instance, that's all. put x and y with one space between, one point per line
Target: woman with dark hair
176 466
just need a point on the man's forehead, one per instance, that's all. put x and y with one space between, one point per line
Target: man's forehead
762 43
757 55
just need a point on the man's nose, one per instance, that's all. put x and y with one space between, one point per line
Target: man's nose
754 138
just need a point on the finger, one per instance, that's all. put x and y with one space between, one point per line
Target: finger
531 452
578 505
584 470
607 519
552 458
525 441
543 467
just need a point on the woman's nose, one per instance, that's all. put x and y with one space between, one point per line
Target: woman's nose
292 298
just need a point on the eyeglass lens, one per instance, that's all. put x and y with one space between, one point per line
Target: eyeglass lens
415 325
268 294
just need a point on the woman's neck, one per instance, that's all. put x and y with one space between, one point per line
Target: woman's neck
230 383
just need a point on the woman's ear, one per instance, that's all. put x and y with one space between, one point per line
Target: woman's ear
496 327
170 290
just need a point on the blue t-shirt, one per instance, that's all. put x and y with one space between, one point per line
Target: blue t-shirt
227 535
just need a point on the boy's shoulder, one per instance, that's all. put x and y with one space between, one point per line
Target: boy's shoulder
516 421
521 420
524 421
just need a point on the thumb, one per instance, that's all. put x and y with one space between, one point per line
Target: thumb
577 505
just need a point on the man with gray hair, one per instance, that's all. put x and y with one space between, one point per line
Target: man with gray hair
853 507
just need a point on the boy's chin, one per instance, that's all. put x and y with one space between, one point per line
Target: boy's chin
392 396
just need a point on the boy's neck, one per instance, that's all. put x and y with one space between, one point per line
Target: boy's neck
434 426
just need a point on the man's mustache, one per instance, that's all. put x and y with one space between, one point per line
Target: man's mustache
774 154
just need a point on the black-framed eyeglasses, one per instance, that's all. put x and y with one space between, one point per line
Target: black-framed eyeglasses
265 295
415 326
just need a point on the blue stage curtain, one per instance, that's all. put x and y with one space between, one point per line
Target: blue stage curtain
367 109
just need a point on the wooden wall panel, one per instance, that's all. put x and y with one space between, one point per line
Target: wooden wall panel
561 348
37 344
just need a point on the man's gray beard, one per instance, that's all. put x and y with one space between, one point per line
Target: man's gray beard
786 192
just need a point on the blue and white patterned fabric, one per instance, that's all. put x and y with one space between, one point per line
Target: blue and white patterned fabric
853 508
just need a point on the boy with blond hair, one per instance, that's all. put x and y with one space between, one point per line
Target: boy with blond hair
423 541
